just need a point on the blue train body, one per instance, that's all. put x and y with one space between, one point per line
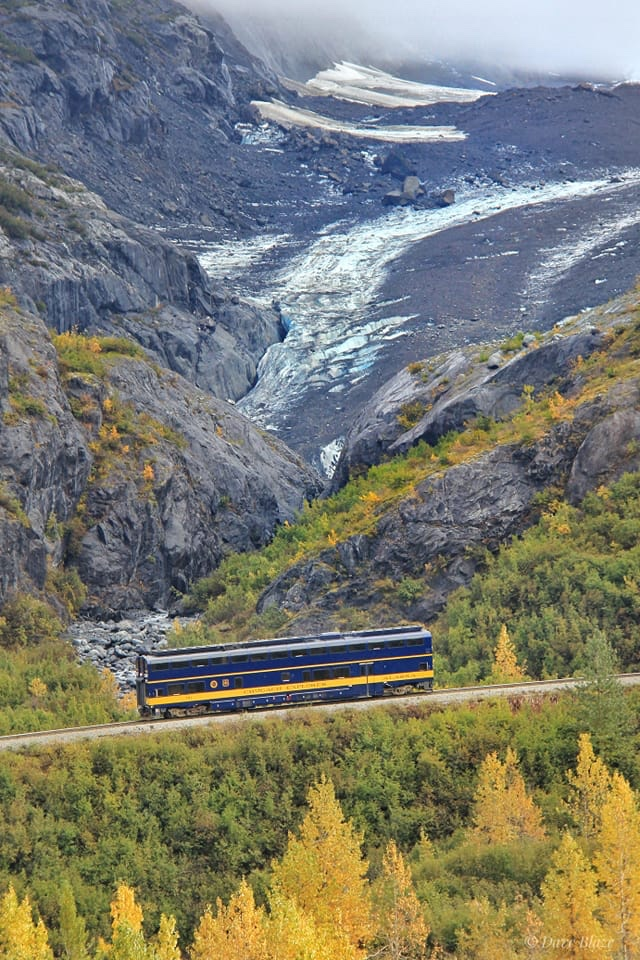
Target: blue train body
285 670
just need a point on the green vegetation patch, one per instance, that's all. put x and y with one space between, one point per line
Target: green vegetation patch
182 818
12 505
13 197
576 571
16 51
78 353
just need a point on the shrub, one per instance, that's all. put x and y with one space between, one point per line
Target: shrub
68 587
14 227
28 621
409 590
411 413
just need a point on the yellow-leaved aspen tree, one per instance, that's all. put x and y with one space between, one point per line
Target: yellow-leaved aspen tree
571 930
166 941
127 938
505 661
237 932
503 809
124 908
401 930
20 937
295 935
323 870
617 863
590 787
487 936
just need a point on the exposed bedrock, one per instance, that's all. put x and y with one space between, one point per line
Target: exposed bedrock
452 517
139 510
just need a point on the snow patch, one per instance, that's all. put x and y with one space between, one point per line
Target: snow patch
287 116
373 87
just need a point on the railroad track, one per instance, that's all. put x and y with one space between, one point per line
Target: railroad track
526 689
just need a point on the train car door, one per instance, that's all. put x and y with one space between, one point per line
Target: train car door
365 671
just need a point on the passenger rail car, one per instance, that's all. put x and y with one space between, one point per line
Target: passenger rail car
284 670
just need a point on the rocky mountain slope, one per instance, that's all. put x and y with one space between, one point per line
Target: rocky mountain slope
493 435
81 266
121 462
137 100
123 472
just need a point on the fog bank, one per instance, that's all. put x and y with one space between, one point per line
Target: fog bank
577 38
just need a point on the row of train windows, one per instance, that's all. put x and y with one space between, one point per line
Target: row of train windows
285 654
199 686
236 683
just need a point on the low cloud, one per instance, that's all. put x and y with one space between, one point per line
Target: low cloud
584 38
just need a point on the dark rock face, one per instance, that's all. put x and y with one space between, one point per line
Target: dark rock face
222 489
614 438
443 395
101 88
141 523
84 267
44 458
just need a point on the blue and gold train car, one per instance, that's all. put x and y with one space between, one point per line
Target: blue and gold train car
284 670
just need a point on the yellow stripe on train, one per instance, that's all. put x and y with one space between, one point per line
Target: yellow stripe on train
241 693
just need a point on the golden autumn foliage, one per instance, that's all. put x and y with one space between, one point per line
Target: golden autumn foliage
237 932
401 928
166 941
323 871
321 906
569 902
590 787
295 935
503 809
124 909
38 688
506 668
20 937
487 936
617 863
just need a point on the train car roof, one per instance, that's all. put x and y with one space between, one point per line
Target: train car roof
274 644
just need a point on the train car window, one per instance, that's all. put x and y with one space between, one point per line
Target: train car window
423 666
152 692
239 658
415 642
396 643
377 645
298 653
358 646
285 676
341 672
259 656
196 687
321 674
174 688
306 676
339 649
237 682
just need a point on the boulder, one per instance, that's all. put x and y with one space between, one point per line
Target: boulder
397 165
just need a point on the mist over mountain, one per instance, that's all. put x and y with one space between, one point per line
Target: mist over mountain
570 38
